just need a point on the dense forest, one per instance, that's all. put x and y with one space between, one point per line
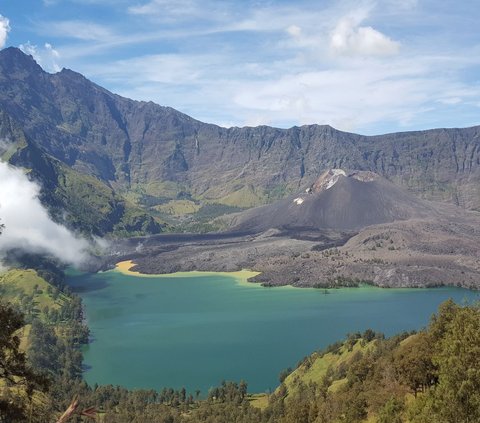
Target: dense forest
429 376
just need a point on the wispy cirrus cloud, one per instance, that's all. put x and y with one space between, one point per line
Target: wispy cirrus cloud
169 9
77 29
368 65
86 2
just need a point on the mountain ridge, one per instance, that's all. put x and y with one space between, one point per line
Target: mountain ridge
141 148
95 153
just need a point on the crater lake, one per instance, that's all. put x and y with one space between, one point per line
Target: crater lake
195 330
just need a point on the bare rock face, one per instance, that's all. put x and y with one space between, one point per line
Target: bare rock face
364 176
125 143
327 180
330 177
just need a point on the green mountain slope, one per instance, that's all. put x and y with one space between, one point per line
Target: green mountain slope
82 201
431 376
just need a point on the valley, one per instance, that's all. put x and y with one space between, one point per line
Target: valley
341 231
116 168
217 253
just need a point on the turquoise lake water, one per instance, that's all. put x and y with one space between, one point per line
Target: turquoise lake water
193 332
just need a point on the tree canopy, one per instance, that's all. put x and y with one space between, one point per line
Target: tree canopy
15 372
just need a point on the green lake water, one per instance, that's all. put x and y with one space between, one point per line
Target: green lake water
193 332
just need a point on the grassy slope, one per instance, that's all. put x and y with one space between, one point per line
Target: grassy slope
94 206
88 204
18 283
178 207
316 366
246 196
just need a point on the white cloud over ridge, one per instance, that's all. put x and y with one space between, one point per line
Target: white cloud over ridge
47 57
4 30
27 223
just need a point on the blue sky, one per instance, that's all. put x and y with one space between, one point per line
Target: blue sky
362 66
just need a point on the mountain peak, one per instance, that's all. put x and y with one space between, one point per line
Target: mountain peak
69 76
13 60
338 200
16 54
9 51
327 180
71 73
330 177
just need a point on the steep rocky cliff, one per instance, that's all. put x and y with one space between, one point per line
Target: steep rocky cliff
139 146
80 201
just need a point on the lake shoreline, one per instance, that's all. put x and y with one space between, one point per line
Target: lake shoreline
241 276
319 259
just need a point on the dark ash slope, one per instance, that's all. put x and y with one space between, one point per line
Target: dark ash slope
349 204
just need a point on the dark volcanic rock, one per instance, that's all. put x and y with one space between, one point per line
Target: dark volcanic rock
338 201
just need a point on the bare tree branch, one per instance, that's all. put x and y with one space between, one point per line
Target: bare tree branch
73 409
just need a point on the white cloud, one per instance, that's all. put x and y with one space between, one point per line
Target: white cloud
47 57
451 100
80 30
349 38
27 223
353 96
294 30
283 63
4 30
167 10
29 49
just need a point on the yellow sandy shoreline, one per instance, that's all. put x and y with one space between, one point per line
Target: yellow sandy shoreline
241 276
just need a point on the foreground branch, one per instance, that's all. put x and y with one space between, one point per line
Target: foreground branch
73 409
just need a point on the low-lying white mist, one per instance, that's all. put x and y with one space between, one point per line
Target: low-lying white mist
28 225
